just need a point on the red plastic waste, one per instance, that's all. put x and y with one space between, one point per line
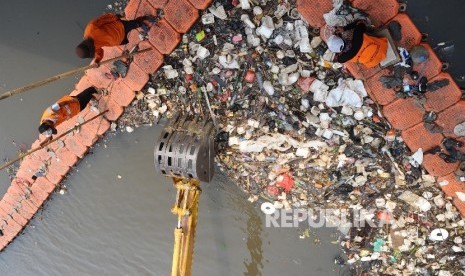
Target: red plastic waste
286 181
272 190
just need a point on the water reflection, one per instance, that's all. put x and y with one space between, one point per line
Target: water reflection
254 264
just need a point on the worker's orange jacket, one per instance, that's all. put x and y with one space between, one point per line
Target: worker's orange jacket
106 30
372 52
69 107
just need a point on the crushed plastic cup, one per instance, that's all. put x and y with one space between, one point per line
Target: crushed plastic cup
267 27
170 73
439 234
302 152
219 12
268 87
253 40
305 103
304 46
281 10
202 52
415 201
257 10
245 4
245 18
228 64
359 115
208 19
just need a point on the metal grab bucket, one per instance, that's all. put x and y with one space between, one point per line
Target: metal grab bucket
186 149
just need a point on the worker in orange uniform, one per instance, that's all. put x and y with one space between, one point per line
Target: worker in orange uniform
352 44
64 109
107 30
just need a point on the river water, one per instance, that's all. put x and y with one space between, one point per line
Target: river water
105 225
443 22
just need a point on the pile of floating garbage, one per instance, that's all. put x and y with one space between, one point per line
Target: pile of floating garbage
296 130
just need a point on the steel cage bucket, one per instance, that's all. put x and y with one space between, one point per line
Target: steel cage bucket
186 149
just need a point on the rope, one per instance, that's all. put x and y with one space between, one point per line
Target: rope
65 75
21 183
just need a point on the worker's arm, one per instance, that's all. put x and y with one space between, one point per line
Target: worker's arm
48 135
350 26
98 56
45 142
354 25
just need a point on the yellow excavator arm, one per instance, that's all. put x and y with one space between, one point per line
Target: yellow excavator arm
185 208
185 153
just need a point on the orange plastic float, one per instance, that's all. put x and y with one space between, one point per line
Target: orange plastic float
459 204
450 117
312 11
377 91
181 15
411 36
81 85
431 67
419 137
379 12
150 61
138 8
99 77
159 4
444 97
360 71
438 167
135 78
201 4
451 185
122 94
403 114
164 37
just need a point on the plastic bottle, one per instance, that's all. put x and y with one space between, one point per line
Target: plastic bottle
267 60
406 87
185 41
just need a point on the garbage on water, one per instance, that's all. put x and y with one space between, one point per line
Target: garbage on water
295 130
285 181
445 49
129 129
439 235
415 201
459 129
349 93
417 158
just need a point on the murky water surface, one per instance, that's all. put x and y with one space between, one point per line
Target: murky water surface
444 23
